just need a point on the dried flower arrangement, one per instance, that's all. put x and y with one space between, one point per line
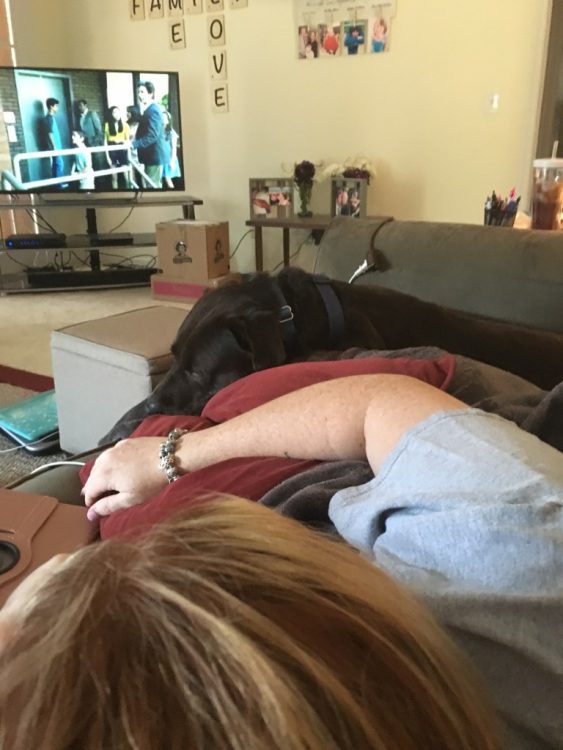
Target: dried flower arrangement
356 168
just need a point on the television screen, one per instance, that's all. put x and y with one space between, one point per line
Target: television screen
68 130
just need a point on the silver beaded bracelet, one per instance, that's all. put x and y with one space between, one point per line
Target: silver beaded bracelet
167 455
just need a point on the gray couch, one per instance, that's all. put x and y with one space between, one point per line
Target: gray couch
498 272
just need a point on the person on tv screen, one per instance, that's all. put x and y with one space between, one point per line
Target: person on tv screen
171 166
117 132
91 126
149 140
82 161
52 136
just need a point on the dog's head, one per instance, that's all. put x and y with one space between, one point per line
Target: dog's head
235 330
230 332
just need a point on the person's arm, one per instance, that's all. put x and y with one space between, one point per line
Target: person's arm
49 134
345 418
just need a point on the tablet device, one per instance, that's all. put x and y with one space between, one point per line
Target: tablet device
33 422
46 444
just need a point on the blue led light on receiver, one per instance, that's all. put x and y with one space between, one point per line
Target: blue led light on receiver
34 241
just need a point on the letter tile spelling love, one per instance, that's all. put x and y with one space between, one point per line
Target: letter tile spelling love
174 11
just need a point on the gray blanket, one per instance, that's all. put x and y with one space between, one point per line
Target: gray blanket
306 496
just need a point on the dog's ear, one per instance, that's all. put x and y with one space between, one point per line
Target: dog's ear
259 334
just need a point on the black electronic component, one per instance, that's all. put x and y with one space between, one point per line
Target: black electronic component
34 241
70 279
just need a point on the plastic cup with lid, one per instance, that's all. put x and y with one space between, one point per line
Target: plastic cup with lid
547 194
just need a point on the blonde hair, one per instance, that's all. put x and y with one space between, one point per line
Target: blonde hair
234 628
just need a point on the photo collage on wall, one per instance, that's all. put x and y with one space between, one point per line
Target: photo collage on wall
336 28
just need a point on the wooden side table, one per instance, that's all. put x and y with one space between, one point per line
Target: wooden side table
314 224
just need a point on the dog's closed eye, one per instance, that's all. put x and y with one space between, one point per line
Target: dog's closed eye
259 335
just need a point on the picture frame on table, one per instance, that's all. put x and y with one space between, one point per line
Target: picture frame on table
349 197
271 197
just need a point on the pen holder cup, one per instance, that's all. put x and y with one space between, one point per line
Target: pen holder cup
499 217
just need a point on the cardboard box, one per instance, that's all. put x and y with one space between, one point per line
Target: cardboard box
166 288
193 251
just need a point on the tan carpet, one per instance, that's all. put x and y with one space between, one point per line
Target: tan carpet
26 320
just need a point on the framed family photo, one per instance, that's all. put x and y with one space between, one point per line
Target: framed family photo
349 197
271 197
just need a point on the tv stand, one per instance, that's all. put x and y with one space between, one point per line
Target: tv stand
92 275
102 240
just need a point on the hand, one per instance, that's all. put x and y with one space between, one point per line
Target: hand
130 470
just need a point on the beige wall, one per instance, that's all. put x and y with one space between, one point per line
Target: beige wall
420 111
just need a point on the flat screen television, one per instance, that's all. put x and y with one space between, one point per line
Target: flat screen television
77 130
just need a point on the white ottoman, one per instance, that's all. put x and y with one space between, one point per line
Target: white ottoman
104 367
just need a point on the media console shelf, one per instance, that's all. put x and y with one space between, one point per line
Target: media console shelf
92 275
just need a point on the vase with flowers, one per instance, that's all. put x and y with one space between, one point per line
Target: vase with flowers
304 176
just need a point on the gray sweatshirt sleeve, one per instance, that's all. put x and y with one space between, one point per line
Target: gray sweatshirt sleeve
468 513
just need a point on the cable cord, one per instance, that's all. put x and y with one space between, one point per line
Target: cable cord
136 201
232 255
46 467
305 241
45 227
23 265
121 223
83 261
127 261
44 220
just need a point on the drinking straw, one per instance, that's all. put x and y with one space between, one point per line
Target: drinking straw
554 149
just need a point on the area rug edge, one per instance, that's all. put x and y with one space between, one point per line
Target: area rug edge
23 379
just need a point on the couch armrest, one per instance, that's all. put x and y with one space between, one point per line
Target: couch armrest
498 272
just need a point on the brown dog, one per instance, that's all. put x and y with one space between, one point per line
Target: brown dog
237 329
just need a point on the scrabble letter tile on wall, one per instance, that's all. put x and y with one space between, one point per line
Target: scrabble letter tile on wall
177 34
175 7
216 30
137 10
